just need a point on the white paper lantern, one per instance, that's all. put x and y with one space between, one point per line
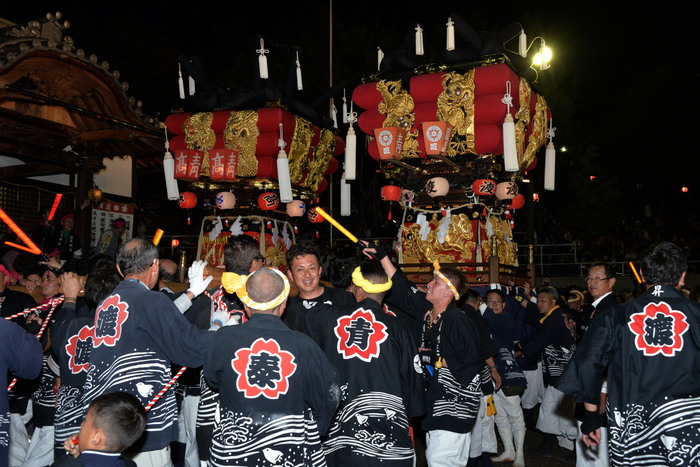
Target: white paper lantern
225 200
437 186
296 208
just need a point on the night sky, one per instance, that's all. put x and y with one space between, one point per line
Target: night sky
622 87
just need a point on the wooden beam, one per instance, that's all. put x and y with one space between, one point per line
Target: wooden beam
32 170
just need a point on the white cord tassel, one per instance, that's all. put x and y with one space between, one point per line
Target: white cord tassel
345 197
262 59
550 160
285 183
450 34
522 44
544 63
419 40
345 108
334 114
380 57
169 171
300 86
510 150
180 83
351 147
191 82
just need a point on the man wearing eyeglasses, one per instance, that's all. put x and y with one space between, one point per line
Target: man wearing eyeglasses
601 282
651 350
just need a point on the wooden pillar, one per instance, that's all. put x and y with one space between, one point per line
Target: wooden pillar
83 221
494 262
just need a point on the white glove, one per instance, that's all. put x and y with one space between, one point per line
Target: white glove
198 283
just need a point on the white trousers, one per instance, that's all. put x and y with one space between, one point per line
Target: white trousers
483 437
593 457
534 392
187 425
557 417
447 448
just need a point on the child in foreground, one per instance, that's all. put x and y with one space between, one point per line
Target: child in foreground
114 421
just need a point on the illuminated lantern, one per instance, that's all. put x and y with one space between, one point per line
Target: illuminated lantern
506 190
518 202
225 200
436 136
174 243
268 201
391 193
188 200
437 186
484 187
389 142
296 208
95 195
314 216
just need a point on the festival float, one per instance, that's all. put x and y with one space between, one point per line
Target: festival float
453 141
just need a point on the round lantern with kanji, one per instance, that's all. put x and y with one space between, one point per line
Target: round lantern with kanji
188 200
506 190
268 201
437 186
225 200
484 187
314 216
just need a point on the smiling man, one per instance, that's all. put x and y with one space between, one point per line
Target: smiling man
304 271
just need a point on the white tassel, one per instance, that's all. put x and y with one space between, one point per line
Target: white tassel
262 59
550 159
345 108
191 83
522 44
334 114
419 40
380 57
345 197
300 86
550 163
450 34
351 147
510 150
180 83
350 154
169 171
285 183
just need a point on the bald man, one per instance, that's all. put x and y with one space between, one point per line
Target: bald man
278 392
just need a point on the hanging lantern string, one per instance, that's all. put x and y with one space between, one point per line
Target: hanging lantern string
507 97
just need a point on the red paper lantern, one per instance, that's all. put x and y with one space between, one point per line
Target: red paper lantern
188 200
484 187
314 216
391 193
436 137
268 201
174 243
389 142
518 202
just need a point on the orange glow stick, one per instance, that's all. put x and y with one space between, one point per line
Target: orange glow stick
157 236
28 241
336 224
56 202
639 280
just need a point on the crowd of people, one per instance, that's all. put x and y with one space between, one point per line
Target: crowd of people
109 365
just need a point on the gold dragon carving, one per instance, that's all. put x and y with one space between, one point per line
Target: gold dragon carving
241 134
456 106
200 136
397 104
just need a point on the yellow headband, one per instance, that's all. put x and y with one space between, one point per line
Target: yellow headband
366 285
234 283
436 266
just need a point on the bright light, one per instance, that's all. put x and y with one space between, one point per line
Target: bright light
542 58
563 149
592 177
684 189
535 197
